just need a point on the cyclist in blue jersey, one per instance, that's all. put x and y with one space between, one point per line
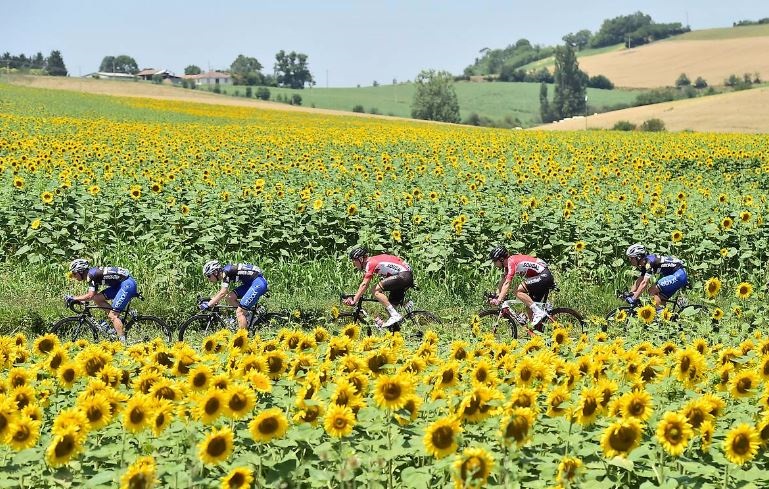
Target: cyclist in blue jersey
120 289
245 296
671 271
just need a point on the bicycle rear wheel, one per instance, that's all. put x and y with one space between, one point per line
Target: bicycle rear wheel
697 314
417 323
147 328
503 328
74 328
569 319
199 326
267 320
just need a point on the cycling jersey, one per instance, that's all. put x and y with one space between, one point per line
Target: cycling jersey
662 265
385 266
239 272
109 276
524 266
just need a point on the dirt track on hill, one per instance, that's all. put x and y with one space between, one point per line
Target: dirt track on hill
746 112
659 64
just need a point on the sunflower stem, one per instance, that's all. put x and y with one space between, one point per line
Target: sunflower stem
389 449
726 476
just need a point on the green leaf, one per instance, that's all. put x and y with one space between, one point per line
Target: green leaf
24 249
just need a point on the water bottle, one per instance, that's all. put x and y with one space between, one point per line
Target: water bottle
409 306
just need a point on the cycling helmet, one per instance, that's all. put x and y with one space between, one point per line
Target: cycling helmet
211 267
636 250
358 252
498 253
79 265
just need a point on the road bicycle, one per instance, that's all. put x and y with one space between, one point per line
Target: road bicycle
508 321
679 305
137 327
222 316
415 322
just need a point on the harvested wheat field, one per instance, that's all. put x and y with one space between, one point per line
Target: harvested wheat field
660 64
744 112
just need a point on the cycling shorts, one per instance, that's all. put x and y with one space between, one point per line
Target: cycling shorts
539 285
397 285
250 292
670 284
121 294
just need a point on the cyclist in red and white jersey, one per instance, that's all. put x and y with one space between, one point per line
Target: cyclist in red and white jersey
537 280
397 277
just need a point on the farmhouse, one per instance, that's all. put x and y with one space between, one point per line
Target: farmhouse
104 75
210 78
148 74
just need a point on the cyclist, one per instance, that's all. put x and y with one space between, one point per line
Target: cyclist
121 288
671 270
536 281
252 286
397 277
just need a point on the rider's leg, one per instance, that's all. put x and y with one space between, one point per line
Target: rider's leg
522 294
120 299
667 286
249 300
396 285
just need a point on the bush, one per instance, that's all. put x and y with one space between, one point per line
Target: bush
653 125
236 93
374 110
624 126
683 81
358 108
700 83
473 119
600 81
296 99
249 92
157 79
263 93
217 89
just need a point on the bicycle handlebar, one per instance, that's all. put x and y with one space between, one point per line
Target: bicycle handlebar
343 296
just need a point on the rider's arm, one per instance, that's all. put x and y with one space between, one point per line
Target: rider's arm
504 289
639 286
85 297
361 290
218 296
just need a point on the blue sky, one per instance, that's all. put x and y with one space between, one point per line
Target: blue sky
348 42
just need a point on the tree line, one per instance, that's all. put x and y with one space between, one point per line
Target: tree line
52 65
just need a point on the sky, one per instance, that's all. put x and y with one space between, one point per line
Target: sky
348 42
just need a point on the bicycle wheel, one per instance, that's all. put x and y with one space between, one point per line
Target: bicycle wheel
75 327
569 319
267 320
147 328
200 326
417 323
618 319
697 314
503 328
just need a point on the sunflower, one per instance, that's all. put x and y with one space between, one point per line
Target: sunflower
22 433
556 401
741 444
97 409
68 373
636 404
621 316
63 448
646 313
46 197
141 474
763 430
483 373
135 193
745 216
238 478
136 414
673 433
589 406
676 236
308 413
717 314
472 468
411 407
46 344
448 375
18 183
568 470
199 378
744 290
697 411
268 425
477 404
240 401
161 417
392 391
277 364
396 235
621 437
712 287
216 447
727 223
744 384
339 421
517 425
210 405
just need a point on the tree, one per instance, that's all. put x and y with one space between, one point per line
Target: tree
291 69
600 81
119 64
700 83
570 83
579 40
544 106
683 81
55 64
192 70
435 98
246 71
38 61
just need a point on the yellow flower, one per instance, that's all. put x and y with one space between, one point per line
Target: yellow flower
216 447
676 236
673 433
621 437
396 235
94 190
580 246
741 444
472 468
238 478
727 222
392 391
317 204
18 183
22 433
136 193
744 383
35 224
46 197
141 474
240 401
646 313
352 209
517 425
339 421
744 290
269 425
568 470
64 447
210 405
712 287
745 216
441 437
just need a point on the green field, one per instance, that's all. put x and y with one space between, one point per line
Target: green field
550 61
724 33
493 100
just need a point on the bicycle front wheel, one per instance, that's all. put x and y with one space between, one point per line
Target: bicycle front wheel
568 319
417 323
199 326
74 328
147 328
503 328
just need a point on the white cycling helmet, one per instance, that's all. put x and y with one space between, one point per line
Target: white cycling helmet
636 250
79 265
211 267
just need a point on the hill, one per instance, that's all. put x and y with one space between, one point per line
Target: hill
743 112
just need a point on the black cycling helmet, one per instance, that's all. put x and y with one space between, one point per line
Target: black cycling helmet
498 253
358 252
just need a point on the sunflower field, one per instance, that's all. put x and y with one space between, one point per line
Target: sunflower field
160 187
